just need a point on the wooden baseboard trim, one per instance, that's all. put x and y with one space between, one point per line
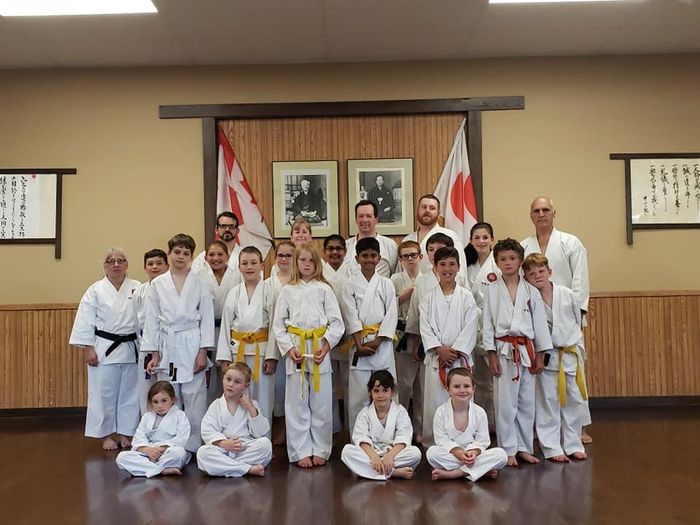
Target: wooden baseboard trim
43 412
643 402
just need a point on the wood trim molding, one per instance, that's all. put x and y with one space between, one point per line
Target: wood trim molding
647 293
37 306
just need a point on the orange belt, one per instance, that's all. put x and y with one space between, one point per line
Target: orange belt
515 341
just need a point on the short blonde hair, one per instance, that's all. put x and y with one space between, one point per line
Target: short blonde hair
535 259
242 369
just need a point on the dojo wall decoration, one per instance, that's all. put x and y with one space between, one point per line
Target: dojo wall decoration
389 184
306 190
30 206
662 190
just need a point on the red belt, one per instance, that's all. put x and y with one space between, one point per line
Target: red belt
515 341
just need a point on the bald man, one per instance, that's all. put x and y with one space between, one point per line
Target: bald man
567 259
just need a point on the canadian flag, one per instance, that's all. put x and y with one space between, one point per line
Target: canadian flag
456 190
234 194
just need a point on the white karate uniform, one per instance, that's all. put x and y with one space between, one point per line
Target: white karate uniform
145 380
274 287
568 261
199 263
409 372
219 292
388 253
242 315
112 404
559 427
382 438
514 400
308 413
171 430
478 277
219 424
363 304
445 320
177 326
425 283
474 437
425 265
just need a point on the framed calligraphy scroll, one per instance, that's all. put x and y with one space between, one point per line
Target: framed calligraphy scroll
662 190
30 206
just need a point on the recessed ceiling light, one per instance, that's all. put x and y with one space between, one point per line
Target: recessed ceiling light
548 1
74 7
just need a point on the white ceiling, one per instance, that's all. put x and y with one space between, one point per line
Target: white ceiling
208 32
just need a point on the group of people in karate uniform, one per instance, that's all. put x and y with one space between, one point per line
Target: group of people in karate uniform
449 326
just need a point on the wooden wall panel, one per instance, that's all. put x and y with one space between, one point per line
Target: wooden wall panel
639 344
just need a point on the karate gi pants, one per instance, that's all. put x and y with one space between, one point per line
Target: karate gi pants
308 419
409 384
216 461
359 463
113 403
137 463
483 396
340 384
558 427
514 403
280 385
192 398
263 391
434 395
358 395
144 384
488 460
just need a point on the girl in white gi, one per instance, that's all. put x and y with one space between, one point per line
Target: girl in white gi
179 330
158 446
448 326
481 267
462 435
284 252
106 328
307 324
221 279
299 234
155 263
234 429
560 389
370 315
244 334
381 438
516 335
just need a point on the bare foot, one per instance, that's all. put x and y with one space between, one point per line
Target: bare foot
512 462
586 438
318 461
579 456
124 441
561 458
279 434
403 473
439 473
256 470
528 458
172 471
305 463
418 439
109 444
492 474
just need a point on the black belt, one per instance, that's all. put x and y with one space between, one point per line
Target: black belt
116 339
217 323
403 342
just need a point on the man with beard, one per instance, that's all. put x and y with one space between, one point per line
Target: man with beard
427 213
226 230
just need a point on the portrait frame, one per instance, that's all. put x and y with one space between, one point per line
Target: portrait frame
396 190
320 208
662 191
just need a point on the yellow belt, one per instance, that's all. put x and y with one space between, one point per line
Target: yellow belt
580 379
366 330
316 334
245 338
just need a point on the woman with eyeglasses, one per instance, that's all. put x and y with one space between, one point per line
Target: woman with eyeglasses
105 327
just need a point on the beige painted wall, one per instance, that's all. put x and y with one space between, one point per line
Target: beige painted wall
139 178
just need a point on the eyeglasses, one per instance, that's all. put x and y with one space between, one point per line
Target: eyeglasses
284 255
335 248
408 256
114 261
227 226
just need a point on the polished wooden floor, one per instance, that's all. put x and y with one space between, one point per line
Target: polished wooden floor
644 468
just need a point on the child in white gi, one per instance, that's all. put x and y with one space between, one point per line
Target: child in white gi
448 326
369 312
381 438
244 334
561 388
155 263
106 328
234 429
179 330
461 434
159 443
307 324
516 335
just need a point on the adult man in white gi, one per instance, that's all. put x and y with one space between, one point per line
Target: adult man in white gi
226 230
366 218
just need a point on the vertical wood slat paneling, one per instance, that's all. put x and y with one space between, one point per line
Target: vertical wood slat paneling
637 345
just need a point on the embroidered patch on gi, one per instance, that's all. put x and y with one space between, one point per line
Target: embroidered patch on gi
491 277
